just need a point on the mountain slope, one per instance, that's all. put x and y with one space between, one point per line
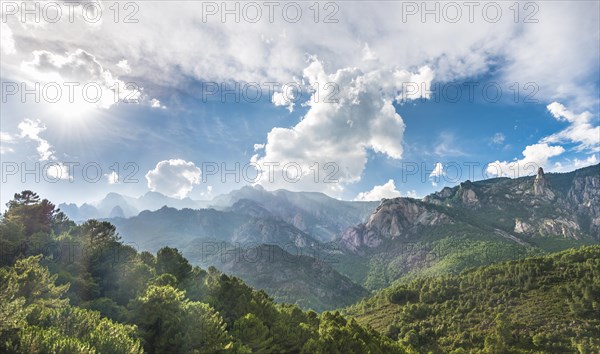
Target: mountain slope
542 304
307 281
317 214
151 230
473 224
266 252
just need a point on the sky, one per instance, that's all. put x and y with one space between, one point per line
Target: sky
358 100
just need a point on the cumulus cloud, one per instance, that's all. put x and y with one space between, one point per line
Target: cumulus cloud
96 85
31 129
284 99
412 194
337 132
154 103
570 165
174 178
6 139
56 171
112 177
438 170
534 156
414 85
436 173
7 42
580 130
387 190
124 65
559 59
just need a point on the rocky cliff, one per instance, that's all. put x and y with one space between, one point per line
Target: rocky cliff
545 205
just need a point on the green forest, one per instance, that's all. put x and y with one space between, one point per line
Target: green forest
546 304
67 288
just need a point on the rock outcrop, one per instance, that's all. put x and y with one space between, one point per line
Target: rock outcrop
393 218
555 205
540 186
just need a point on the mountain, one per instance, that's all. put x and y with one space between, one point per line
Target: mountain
469 225
118 205
299 224
151 230
548 304
266 252
317 214
473 224
111 299
308 281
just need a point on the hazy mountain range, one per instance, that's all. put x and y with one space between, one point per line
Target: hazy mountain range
305 247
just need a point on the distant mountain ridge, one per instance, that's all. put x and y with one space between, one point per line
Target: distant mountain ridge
118 205
315 213
373 243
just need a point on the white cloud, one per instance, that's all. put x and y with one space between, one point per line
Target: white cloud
498 139
570 165
174 178
31 129
561 61
387 190
436 173
282 99
438 170
154 103
534 156
124 65
412 194
112 177
414 85
56 171
339 132
7 42
259 147
6 139
580 130
102 88
208 192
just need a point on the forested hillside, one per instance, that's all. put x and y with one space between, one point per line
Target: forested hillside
67 288
548 304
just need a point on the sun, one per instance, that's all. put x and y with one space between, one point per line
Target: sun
78 109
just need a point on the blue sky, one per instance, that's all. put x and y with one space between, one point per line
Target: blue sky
396 128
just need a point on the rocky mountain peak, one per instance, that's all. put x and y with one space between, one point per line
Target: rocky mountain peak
393 218
541 187
539 184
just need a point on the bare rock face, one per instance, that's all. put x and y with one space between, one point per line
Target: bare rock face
554 205
392 219
356 237
563 227
522 227
469 197
584 195
540 186
298 221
